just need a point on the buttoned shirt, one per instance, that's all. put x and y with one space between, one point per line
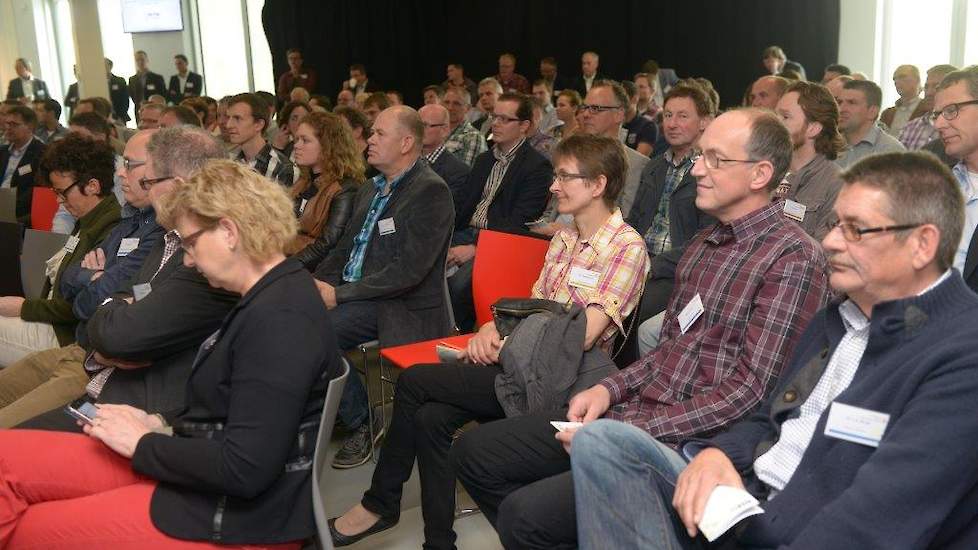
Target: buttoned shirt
28 87
466 143
778 464
13 161
616 252
432 157
969 188
516 82
353 270
480 218
270 163
760 279
901 115
657 237
875 141
815 186
918 132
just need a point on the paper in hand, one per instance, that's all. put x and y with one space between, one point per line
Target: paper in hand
565 426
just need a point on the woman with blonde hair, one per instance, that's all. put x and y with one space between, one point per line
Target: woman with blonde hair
332 169
221 471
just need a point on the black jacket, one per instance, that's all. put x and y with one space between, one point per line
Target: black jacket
403 271
579 84
71 99
521 197
685 220
454 172
154 85
15 89
194 87
340 210
238 468
119 93
25 176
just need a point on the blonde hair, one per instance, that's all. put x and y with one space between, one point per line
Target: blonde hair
224 189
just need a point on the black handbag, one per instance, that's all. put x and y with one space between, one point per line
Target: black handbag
508 312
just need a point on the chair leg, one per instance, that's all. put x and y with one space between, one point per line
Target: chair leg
370 400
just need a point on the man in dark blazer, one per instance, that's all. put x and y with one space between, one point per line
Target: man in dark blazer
436 129
20 157
150 333
15 90
185 83
118 93
589 73
508 187
145 82
385 278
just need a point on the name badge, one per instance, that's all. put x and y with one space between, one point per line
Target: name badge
39 93
584 278
386 226
856 424
141 290
190 84
24 170
302 205
303 76
690 313
794 210
151 87
115 87
127 245
71 243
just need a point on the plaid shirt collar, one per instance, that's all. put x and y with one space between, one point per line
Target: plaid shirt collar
746 227
690 154
602 237
432 157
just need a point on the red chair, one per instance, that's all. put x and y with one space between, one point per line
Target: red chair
44 205
506 266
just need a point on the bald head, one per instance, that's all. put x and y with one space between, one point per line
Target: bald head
766 91
395 143
135 155
436 126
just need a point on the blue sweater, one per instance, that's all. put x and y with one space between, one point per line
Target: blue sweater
919 488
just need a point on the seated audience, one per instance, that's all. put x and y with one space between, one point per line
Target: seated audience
199 107
548 72
140 351
836 85
49 379
332 171
359 83
320 101
247 120
775 61
455 78
641 134
149 116
384 280
360 127
543 143
20 157
896 350
298 76
394 97
508 77
48 114
228 457
568 102
909 106
920 131
80 173
665 211
434 145
178 115
833 70
858 111
755 279
766 91
346 99
210 119
284 139
433 401
433 94
645 104
489 91
374 104
543 93
666 77
589 73
812 117
92 126
506 189
464 141
300 94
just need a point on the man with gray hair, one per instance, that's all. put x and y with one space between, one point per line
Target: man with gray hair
384 280
909 106
143 339
920 131
489 91
464 140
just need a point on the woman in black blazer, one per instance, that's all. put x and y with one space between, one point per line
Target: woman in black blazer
235 467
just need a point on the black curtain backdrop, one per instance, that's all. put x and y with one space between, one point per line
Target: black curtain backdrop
406 44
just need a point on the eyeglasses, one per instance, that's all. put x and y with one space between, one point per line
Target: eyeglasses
564 177
595 109
714 161
950 112
434 125
63 193
187 243
503 119
129 164
854 234
146 183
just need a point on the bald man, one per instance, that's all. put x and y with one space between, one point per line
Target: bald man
766 91
906 80
448 166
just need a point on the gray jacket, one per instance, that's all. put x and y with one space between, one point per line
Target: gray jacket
544 363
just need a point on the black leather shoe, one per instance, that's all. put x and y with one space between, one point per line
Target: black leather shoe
339 539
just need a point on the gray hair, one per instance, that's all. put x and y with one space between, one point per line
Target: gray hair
463 94
490 81
183 150
769 140
921 190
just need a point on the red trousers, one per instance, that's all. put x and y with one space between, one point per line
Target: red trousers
61 491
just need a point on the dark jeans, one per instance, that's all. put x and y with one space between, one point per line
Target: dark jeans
460 289
354 323
519 475
431 403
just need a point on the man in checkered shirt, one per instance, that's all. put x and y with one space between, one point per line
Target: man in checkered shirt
247 120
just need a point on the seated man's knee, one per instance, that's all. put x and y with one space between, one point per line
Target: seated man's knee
517 523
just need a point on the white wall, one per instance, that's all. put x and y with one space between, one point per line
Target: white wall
17 39
860 37
162 46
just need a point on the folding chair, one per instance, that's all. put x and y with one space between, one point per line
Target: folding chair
319 467
8 205
44 205
38 247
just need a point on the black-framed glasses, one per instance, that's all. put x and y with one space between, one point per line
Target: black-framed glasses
564 177
715 161
187 243
950 112
426 125
146 183
854 233
595 109
63 193
504 118
129 164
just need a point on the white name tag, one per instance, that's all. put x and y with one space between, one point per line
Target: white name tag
386 226
690 313
40 93
303 76
141 290
127 245
302 205
584 278
856 424
190 84
24 170
794 210
71 243
115 87
151 87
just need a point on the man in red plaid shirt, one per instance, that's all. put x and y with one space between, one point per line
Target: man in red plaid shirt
745 290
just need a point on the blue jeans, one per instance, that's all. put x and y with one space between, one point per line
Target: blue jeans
624 480
354 323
